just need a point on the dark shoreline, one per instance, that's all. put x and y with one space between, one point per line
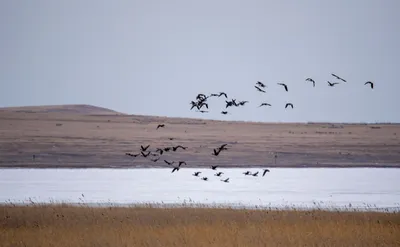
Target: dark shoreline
199 167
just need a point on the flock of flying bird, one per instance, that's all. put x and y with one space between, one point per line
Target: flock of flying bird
201 101
154 156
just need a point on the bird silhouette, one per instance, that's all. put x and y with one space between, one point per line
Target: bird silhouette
218 174
160 151
145 155
179 146
223 147
155 160
144 148
259 89
225 180
265 104
339 78
219 95
332 84
284 85
260 84
175 169
288 104
201 97
247 173
216 152
243 102
265 171
204 178
224 112
255 174
132 155
167 149
311 80
182 163
160 126
202 111
168 162
228 104
371 83
196 174
214 167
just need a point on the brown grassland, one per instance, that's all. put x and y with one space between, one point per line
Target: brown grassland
63 225
79 136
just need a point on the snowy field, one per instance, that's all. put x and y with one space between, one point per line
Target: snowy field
367 188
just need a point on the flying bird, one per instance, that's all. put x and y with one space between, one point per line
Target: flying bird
284 85
175 169
220 94
201 96
311 80
255 174
288 104
216 152
243 102
161 126
371 83
259 89
132 155
260 84
179 146
332 84
181 163
155 160
247 173
160 151
145 155
204 178
214 167
265 104
144 148
223 147
196 174
337 77
265 171
228 104
226 180
218 174
169 163
224 112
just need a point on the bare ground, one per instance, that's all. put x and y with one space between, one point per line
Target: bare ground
87 136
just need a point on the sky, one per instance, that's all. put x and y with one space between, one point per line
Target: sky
153 57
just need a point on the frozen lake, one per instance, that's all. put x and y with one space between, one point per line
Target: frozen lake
301 187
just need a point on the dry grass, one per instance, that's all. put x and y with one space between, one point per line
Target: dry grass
63 225
65 139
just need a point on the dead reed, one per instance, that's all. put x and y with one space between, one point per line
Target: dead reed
64 225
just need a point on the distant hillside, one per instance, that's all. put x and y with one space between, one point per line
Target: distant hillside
77 109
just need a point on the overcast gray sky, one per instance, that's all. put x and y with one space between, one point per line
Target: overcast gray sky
153 57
